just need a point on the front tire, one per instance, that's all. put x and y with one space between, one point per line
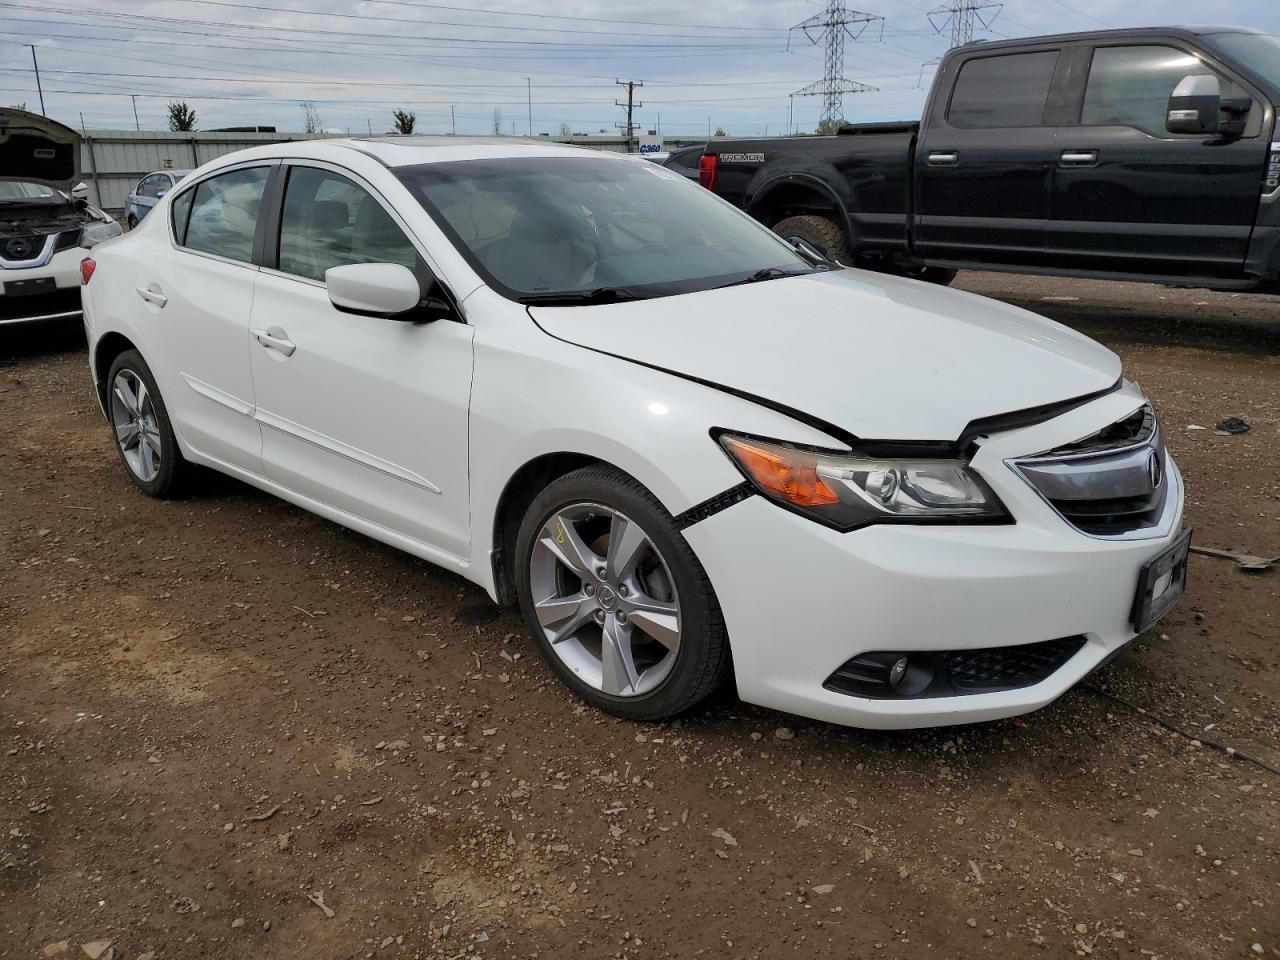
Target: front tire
133 222
620 607
822 233
142 430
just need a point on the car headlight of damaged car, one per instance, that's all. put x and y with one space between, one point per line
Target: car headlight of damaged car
846 491
93 234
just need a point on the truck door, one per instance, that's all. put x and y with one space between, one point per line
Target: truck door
1129 196
984 164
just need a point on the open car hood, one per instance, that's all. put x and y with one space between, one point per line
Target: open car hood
879 357
38 150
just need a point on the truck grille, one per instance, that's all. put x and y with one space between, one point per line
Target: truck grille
1109 484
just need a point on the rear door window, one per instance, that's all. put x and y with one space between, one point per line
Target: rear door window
224 213
1004 91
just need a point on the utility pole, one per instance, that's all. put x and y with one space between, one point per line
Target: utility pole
39 89
831 28
528 87
791 115
453 120
961 16
136 124
631 105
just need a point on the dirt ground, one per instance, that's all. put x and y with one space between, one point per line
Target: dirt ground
218 709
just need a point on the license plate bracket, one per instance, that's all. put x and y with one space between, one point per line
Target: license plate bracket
1161 581
20 288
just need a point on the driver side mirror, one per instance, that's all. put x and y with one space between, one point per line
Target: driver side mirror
387 290
80 191
1196 107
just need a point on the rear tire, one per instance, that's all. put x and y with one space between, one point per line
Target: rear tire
133 222
620 607
142 431
823 233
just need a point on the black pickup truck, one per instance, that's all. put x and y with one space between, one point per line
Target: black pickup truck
1148 154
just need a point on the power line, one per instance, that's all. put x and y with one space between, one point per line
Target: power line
832 27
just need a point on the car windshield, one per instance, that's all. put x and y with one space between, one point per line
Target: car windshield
1259 52
22 190
536 228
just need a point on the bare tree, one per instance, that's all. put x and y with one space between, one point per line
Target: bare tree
566 130
404 121
181 117
497 122
310 117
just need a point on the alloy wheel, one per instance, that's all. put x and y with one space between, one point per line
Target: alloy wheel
605 599
137 430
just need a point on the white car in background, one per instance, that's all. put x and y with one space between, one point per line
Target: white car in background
680 443
45 223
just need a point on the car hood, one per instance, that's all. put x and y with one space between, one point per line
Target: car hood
38 150
879 357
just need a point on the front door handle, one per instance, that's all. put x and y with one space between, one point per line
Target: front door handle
943 158
1079 158
274 338
153 294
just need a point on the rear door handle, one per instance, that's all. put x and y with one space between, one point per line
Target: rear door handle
274 338
1079 158
153 294
943 158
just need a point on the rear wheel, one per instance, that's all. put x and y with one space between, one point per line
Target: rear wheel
823 233
142 430
939 275
133 221
621 609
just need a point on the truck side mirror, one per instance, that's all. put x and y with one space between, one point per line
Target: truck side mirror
1194 105
1197 107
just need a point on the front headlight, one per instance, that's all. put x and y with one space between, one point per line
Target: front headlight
94 233
847 491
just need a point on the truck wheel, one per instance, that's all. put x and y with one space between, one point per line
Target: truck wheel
824 234
939 275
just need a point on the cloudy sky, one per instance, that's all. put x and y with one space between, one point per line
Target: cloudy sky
727 64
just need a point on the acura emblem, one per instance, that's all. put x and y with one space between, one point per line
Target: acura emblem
1154 470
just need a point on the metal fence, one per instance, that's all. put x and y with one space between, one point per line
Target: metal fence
113 161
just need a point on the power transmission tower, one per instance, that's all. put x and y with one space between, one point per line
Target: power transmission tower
631 106
831 28
962 16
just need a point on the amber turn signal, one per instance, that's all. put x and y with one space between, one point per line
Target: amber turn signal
791 478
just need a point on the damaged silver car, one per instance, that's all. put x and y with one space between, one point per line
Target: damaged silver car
46 224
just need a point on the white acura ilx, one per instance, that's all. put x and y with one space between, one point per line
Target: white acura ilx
688 448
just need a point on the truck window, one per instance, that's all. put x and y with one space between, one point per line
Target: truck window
1007 91
1130 86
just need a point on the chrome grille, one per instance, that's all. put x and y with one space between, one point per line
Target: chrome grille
1109 484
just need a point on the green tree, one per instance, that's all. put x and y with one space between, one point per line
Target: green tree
829 128
404 121
720 132
181 117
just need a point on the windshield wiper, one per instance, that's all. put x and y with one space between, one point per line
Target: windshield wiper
573 298
768 273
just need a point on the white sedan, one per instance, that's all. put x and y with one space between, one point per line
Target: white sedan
688 449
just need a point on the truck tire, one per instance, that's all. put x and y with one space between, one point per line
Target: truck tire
942 276
824 234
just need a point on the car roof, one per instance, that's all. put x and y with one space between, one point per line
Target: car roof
411 151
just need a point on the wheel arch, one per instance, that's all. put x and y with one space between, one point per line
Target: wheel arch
109 346
796 195
518 493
